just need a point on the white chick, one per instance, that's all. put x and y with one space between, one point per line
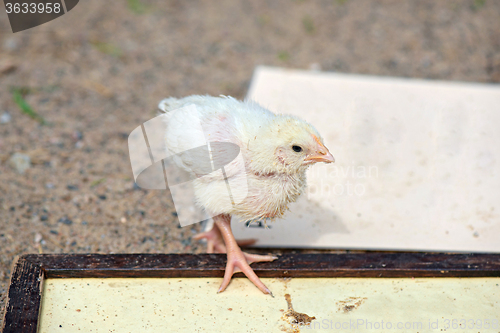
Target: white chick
276 151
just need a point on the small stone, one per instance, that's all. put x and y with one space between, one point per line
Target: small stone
72 187
21 162
7 66
475 234
54 232
56 141
102 197
10 44
66 197
49 186
84 223
147 238
44 218
65 220
77 135
5 118
38 237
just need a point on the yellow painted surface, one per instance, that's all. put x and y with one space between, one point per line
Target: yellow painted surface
339 305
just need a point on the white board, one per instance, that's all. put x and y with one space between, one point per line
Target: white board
417 163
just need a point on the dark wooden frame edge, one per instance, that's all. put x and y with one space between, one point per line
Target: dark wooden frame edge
24 298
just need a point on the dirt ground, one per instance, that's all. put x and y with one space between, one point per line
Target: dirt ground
92 79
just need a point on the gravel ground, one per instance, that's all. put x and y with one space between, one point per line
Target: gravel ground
93 81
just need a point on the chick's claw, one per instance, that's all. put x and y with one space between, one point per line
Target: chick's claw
251 258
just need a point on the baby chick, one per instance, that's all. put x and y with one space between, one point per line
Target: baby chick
276 151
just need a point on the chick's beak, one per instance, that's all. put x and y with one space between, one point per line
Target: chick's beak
320 154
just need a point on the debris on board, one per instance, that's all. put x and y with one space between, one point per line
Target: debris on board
350 304
295 319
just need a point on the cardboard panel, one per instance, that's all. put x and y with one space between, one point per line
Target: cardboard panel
417 163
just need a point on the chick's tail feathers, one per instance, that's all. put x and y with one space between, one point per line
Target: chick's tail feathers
169 104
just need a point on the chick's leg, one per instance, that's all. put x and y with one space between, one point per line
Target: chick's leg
236 259
215 244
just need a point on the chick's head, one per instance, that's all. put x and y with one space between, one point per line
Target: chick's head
289 145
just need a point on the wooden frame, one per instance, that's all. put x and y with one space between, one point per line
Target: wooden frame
25 292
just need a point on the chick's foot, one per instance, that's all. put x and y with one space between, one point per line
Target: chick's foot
237 261
215 243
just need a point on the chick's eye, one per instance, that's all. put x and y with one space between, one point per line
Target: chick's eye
297 149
